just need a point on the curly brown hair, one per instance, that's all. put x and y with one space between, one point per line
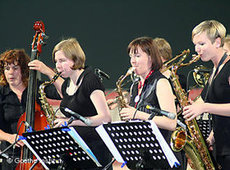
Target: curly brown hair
17 57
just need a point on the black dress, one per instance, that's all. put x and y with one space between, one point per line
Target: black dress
81 103
150 98
219 92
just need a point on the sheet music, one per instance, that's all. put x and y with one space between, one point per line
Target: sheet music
52 146
35 154
170 157
164 146
109 143
83 145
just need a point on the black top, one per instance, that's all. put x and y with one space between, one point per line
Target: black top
219 92
80 101
11 110
150 97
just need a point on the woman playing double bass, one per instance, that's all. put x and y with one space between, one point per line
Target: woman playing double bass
14 74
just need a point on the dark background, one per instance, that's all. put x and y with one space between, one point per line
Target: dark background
104 28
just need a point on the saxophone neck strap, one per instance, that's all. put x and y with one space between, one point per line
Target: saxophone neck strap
219 64
217 69
80 77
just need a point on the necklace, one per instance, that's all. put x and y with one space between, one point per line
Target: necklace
140 86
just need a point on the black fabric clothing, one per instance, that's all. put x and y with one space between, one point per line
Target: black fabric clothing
11 110
81 103
149 97
98 147
222 161
218 92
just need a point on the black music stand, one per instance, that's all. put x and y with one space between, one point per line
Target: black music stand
205 125
139 144
60 148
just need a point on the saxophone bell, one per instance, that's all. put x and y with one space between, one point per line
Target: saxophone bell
178 139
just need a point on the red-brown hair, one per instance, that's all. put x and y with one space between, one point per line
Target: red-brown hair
17 57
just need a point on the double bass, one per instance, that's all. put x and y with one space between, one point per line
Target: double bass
33 116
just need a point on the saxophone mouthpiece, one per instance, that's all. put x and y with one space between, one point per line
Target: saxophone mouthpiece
58 73
130 70
195 57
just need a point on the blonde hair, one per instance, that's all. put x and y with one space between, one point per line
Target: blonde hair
213 29
72 50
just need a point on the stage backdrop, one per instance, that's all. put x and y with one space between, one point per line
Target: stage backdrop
105 27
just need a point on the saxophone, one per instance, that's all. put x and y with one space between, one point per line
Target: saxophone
182 57
201 78
49 112
121 98
193 145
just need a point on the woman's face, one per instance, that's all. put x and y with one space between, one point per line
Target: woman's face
204 47
141 62
63 64
13 74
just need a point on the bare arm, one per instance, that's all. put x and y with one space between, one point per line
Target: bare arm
199 107
103 116
167 102
9 138
44 69
217 109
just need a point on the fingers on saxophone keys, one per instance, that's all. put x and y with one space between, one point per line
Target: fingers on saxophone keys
112 103
188 115
123 116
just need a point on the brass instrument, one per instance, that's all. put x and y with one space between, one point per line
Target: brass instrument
201 78
168 64
193 145
48 109
121 97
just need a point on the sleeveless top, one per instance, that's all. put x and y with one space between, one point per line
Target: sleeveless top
219 92
148 97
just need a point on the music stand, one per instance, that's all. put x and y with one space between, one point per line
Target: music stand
139 144
204 124
60 147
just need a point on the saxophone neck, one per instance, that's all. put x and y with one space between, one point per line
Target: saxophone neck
123 77
46 83
41 89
